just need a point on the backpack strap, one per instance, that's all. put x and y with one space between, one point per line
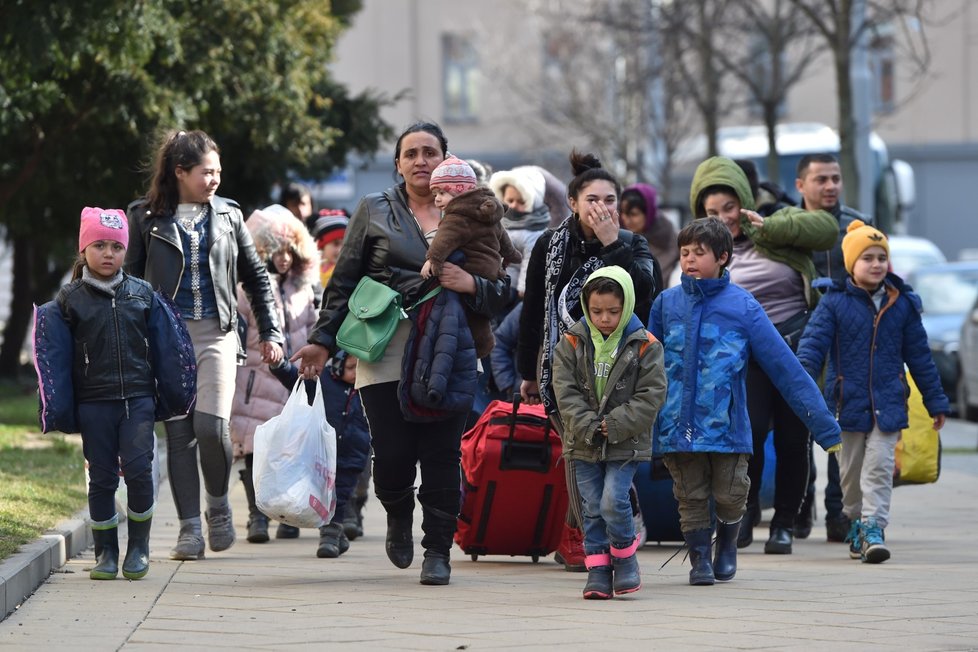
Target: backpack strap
645 345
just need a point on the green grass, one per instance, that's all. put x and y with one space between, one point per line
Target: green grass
42 477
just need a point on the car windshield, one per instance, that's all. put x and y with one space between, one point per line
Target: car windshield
946 292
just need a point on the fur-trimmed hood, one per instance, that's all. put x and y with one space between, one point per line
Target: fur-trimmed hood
275 227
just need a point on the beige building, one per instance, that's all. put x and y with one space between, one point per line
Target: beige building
479 70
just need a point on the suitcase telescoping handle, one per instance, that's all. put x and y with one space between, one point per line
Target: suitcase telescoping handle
529 456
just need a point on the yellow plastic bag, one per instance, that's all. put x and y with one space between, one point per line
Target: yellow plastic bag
918 453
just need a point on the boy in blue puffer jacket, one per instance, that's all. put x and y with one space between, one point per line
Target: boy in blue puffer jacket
344 411
869 326
709 328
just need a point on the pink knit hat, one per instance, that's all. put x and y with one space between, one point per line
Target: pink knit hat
103 224
453 174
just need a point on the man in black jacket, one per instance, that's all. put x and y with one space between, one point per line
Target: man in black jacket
819 182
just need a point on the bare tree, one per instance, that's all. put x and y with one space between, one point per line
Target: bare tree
834 20
780 47
693 30
607 77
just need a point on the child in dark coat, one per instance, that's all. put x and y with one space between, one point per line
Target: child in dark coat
471 222
112 333
868 326
344 411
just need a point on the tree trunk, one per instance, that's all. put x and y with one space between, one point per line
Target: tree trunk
771 123
33 280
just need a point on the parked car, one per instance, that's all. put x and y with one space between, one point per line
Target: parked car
948 292
967 390
908 252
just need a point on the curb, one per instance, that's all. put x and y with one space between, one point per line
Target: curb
26 569
29 567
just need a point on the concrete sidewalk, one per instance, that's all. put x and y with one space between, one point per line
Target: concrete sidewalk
280 596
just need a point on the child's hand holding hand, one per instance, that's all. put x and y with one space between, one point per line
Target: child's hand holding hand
426 269
271 352
939 421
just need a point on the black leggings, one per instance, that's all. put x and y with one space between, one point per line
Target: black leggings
766 408
400 445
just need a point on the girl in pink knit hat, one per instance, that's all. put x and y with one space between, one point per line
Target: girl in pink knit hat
99 349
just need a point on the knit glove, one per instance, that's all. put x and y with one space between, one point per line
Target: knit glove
834 449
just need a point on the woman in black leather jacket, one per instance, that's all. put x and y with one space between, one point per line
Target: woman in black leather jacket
193 246
387 239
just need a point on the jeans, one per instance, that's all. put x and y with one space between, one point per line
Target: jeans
604 490
113 432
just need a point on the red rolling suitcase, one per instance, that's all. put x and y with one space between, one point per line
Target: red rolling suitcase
514 500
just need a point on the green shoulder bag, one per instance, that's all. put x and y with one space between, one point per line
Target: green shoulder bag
375 311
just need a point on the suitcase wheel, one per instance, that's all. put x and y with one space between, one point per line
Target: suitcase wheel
535 558
474 557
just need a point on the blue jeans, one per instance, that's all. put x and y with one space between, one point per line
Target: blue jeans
604 498
114 431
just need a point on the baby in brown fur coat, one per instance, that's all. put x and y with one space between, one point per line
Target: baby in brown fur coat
470 221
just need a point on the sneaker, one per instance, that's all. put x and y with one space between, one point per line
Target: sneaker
570 552
874 550
855 540
220 530
837 528
190 547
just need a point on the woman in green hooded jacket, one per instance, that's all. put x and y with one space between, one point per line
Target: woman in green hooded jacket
772 259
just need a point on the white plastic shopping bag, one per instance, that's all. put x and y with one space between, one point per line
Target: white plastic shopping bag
295 462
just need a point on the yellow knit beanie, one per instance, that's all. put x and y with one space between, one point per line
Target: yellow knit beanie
860 237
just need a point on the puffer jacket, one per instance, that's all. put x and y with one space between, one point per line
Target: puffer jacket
439 367
635 391
155 254
383 241
709 329
790 235
865 383
258 395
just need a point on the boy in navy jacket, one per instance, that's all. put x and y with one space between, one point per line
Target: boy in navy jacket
869 326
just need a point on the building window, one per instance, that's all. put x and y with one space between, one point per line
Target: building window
460 79
882 66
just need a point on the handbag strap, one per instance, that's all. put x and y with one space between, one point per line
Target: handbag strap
427 295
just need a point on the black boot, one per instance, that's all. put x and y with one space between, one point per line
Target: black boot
435 569
806 516
136 564
779 541
332 541
106 553
725 560
400 522
257 522
352 527
752 517
700 543
440 509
